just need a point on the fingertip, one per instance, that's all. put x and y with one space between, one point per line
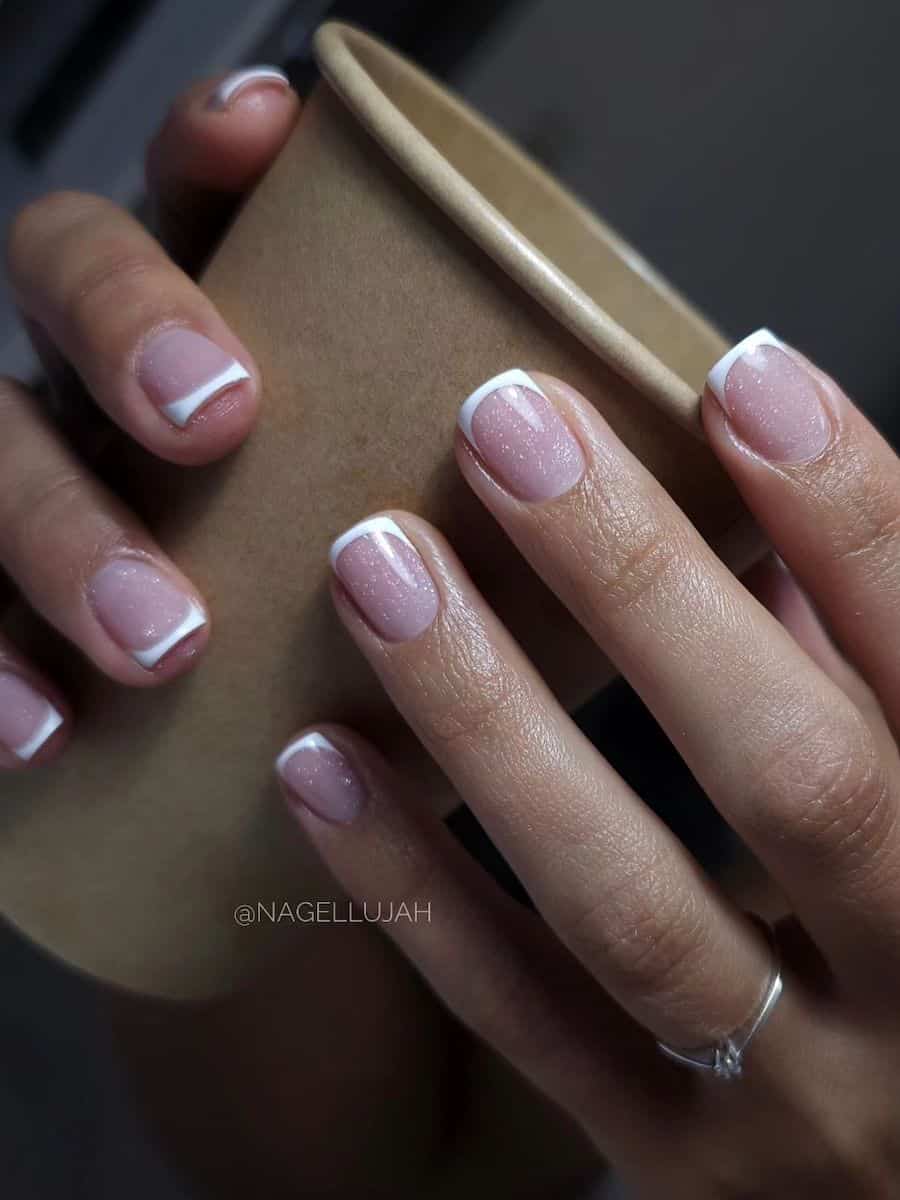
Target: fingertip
147 624
35 722
184 656
214 432
198 393
223 133
322 772
248 86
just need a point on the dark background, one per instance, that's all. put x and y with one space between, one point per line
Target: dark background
749 150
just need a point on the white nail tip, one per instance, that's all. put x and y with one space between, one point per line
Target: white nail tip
310 741
41 736
238 80
371 525
513 378
195 619
719 373
181 411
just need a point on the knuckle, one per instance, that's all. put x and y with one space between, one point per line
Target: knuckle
871 528
638 554
91 261
112 282
828 790
42 510
40 221
653 940
473 695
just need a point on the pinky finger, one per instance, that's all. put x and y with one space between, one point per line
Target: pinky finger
34 719
491 960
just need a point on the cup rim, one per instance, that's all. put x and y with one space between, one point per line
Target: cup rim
335 48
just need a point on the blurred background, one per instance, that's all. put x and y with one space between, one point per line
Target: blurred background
748 150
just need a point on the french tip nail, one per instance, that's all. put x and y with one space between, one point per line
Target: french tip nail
180 411
719 372
153 655
309 741
515 377
238 81
319 777
41 736
361 529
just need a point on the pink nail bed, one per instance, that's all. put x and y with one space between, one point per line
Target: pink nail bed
181 371
27 718
384 573
316 773
521 437
771 400
142 610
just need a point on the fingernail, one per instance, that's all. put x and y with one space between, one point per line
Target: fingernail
27 718
522 438
771 400
240 82
181 370
316 773
383 572
142 610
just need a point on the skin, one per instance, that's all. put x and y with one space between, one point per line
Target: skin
790 735
268 1091
92 285
793 740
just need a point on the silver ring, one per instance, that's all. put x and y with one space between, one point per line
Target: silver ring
725 1058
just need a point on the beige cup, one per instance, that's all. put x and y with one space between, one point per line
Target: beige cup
399 253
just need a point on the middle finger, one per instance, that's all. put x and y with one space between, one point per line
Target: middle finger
782 751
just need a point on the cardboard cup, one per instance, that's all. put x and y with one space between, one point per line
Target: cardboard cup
399 253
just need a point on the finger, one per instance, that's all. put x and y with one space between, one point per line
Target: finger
218 139
780 749
614 883
148 345
488 958
86 428
83 561
777 590
35 721
826 488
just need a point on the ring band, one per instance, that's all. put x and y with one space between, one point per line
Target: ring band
725 1057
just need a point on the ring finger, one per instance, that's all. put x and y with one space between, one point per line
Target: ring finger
607 875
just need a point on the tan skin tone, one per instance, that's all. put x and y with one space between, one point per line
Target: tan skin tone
340 1065
792 745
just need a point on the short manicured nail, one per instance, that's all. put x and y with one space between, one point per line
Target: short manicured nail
240 83
383 572
316 773
181 370
771 400
521 437
142 610
27 718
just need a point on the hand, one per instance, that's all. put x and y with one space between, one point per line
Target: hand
791 738
99 295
